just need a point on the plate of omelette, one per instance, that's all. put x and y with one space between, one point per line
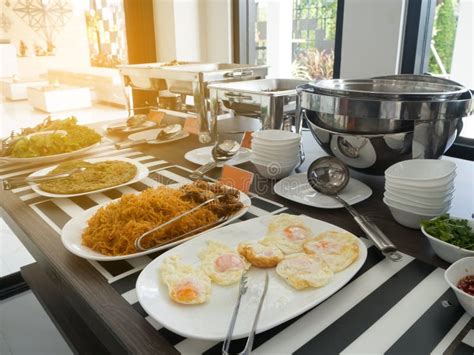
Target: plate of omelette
99 174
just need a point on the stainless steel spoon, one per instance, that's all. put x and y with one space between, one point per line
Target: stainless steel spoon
166 133
330 176
221 152
11 183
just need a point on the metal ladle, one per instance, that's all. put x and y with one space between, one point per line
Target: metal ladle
221 152
330 176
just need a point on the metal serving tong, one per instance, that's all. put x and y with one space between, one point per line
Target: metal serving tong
242 290
167 133
138 241
11 183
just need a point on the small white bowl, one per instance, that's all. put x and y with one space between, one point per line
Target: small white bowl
276 150
418 210
421 189
436 183
273 162
274 171
426 197
275 146
446 251
453 274
422 193
270 157
419 170
407 218
418 202
272 135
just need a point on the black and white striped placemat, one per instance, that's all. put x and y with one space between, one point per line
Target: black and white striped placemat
395 308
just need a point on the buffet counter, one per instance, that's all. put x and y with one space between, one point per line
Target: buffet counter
95 306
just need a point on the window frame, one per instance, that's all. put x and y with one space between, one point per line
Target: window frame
243 20
419 23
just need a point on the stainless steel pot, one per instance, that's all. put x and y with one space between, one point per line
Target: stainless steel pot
374 153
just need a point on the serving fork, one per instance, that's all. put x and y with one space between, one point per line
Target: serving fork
243 286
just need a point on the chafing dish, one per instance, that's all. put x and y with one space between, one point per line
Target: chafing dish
272 101
188 79
370 132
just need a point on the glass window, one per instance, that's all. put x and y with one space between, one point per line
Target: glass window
296 38
451 48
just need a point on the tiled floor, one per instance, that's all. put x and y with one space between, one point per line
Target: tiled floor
26 329
24 326
13 254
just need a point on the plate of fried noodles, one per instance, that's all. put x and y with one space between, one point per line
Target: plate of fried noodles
49 141
108 232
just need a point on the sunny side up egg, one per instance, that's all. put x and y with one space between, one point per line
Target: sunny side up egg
186 284
302 270
260 255
337 249
223 265
288 233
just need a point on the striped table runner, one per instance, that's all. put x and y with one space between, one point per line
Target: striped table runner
394 308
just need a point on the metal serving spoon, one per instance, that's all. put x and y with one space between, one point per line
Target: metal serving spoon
330 176
166 133
221 152
11 183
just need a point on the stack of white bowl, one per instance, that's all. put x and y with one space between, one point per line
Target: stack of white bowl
419 189
275 153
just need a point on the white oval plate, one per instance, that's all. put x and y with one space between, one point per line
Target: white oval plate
151 134
142 172
48 158
296 188
202 156
71 234
210 320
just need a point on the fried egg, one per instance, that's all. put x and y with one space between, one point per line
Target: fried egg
288 233
338 249
223 265
303 270
260 255
186 284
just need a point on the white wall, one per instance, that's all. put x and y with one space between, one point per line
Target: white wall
372 37
72 49
165 43
193 30
216 36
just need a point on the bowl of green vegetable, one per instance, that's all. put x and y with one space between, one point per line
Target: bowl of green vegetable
451 238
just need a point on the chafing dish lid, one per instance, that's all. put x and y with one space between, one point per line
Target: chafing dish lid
389 89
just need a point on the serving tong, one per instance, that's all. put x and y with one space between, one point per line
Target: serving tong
11 183
138 241
169 132
243 286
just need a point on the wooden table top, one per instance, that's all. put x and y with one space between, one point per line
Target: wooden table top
106 311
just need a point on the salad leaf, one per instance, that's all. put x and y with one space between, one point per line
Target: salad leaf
77 137
453 231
